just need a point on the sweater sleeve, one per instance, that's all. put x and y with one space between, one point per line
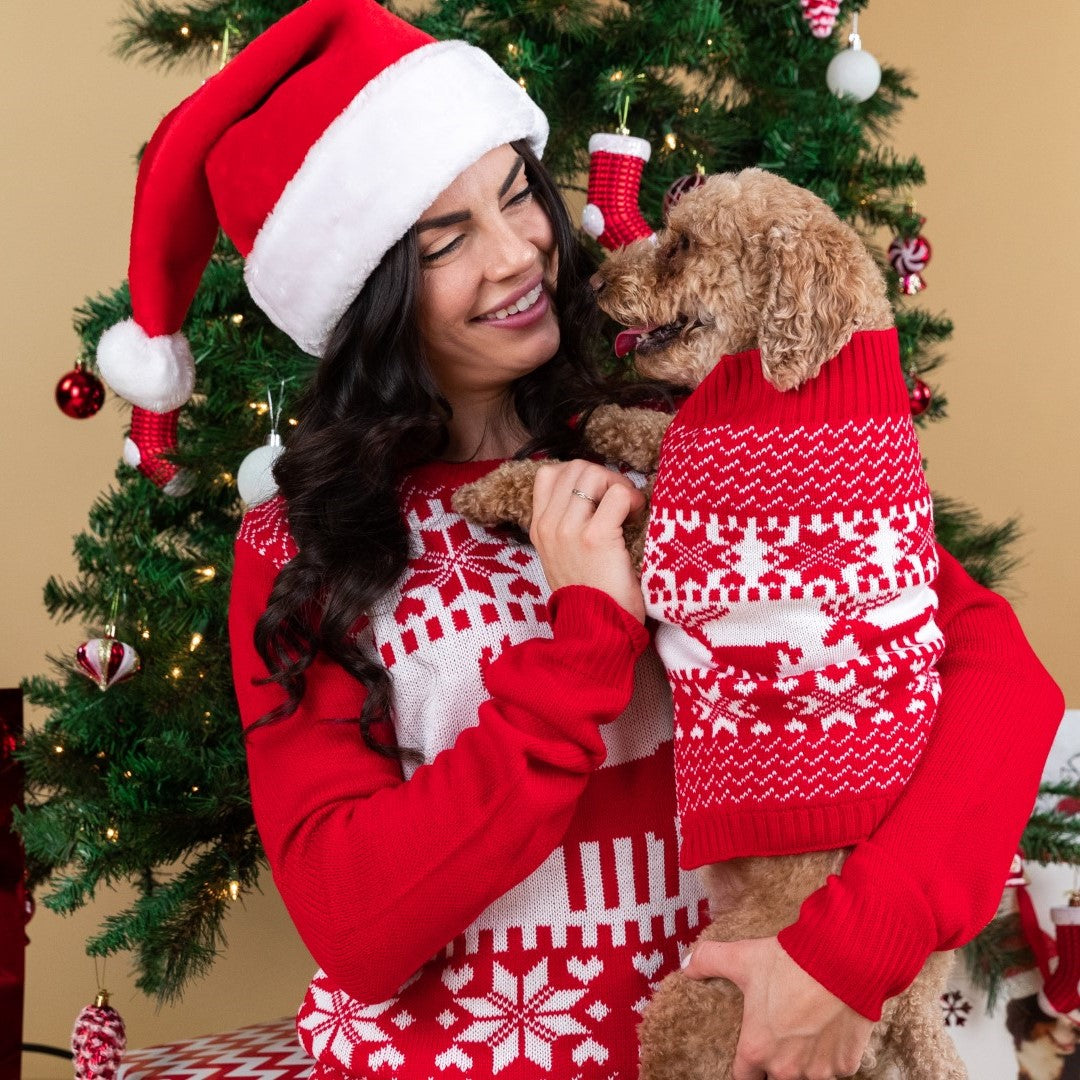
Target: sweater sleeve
378 874
931 875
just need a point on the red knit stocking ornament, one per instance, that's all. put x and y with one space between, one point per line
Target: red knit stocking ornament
152 436
1061 989
98 1041
612 215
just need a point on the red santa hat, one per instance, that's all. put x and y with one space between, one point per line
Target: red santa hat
315 149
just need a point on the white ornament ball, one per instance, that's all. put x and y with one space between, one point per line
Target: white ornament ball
254 479
853 73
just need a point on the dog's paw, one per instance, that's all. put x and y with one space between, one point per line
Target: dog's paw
503 497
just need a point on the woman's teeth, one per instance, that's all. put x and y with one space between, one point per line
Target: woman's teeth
523 304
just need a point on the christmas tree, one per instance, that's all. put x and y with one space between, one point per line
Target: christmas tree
146 782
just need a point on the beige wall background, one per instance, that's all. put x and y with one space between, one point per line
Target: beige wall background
995 126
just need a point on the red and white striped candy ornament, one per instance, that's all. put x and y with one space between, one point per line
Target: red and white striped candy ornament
106 660
909 257
98 1041
612 214
821 15
681 186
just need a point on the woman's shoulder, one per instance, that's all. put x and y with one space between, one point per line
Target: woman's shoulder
265 529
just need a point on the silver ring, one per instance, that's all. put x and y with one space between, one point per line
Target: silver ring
587 498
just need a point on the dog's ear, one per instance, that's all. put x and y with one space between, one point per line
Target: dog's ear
811 299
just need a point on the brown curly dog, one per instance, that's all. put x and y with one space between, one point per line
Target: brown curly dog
746 261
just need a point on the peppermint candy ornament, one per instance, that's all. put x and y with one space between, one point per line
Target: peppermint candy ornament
821 15
107 661
909 255
680 187
98 1040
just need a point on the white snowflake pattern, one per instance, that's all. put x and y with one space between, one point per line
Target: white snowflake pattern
521 1015
337 1024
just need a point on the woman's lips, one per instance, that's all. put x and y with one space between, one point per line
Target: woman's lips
524 318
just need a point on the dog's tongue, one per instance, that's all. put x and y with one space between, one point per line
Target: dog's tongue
627 340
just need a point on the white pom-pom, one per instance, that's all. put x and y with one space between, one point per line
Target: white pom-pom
254 479
592 220
155 373
132 456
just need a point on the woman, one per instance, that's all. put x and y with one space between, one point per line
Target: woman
485 865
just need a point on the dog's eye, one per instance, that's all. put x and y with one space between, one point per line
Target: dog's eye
678 245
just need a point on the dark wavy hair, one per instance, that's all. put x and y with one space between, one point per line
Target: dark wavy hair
372 412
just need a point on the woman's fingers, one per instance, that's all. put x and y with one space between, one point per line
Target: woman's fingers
578 511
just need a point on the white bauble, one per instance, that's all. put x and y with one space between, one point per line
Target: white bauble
853 73
254 480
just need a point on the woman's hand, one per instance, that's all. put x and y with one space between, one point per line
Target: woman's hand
792 1027
579 539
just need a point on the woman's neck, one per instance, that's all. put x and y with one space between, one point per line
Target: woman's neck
481 430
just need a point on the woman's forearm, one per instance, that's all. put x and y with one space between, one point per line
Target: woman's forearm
931 875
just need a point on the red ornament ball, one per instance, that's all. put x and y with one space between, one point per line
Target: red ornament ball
80 394
919 398
680 188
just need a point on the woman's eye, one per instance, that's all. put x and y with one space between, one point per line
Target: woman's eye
521 196
431 256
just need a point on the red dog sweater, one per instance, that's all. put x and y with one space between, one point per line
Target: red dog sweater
789 562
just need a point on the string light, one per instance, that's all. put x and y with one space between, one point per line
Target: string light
195 790
293 421
237 319
176 673
101 754
523 84
112 834
617 76
185 31
145 635
234 890
58 749
512 49
207 573
196 641
670 141
127 774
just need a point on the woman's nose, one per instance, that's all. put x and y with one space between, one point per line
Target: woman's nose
512 251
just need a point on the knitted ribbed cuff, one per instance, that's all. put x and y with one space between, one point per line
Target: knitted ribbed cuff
865 934
605 628
863 380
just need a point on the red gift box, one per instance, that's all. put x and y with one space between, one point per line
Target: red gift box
268 1050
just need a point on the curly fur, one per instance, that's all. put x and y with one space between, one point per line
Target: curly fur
746 261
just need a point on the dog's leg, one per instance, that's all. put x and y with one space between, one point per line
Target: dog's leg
632 436
503 496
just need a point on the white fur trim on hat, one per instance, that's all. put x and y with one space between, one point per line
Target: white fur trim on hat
610 143
155 373
375 169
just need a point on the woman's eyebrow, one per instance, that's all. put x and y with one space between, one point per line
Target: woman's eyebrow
463 215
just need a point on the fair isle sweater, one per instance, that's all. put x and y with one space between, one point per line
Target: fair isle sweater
506 909
790 563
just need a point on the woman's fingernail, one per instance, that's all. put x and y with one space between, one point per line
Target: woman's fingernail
686 960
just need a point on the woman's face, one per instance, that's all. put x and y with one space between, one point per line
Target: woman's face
487 249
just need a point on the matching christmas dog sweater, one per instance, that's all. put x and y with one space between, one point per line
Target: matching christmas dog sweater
790 564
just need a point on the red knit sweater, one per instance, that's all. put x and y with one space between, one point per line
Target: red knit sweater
790 561
512 902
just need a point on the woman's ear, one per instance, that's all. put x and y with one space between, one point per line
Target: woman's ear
811 299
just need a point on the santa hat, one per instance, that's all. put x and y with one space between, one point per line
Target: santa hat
315 149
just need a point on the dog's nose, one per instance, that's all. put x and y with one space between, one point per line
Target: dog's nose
597 283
